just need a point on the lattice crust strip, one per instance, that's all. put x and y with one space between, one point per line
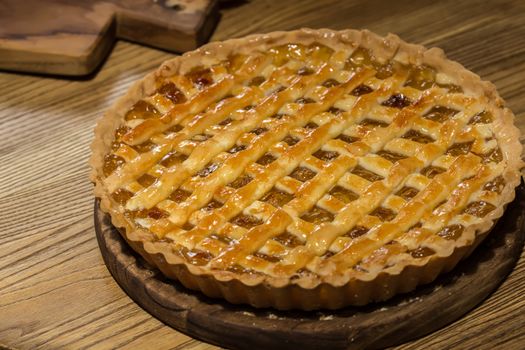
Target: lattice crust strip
311 160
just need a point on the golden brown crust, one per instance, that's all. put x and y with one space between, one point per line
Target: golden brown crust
324 290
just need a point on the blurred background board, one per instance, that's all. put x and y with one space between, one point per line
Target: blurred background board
72 37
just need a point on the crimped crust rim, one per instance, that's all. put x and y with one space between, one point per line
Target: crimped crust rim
504 129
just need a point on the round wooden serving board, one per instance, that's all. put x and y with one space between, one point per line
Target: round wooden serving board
379 325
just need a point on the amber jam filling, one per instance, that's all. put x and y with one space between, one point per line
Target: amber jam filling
172 159
266 159
431 171
397 101
366 174
111 163
153 213
142 110
356 231
391 156
285 53
458 149
407 193
173 93
288 240
421 252
372 123
421 77
246 221
364 58
179 195
479 209
121 196
484 117
362 90
222 238
270 258
117 143
327 156
213 204
452 232
383 213
347 139
241 181
302 174
210 168
277 198
495 185
417 136
318 215
344 195
493 156
440 114
201 77
311 125
194 256
330 83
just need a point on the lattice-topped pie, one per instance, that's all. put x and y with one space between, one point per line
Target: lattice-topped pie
307 169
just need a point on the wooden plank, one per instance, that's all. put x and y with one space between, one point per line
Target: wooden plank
55 291
73 37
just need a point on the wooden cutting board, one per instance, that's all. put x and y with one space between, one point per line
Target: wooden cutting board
73 37
375 326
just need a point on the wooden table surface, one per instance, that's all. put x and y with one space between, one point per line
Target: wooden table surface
55 291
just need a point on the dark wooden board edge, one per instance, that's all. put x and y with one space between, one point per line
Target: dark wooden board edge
379 325
153 33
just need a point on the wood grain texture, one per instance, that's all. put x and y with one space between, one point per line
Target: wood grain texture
374 326
73 37
55 291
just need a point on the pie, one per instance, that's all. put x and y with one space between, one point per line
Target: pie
306 169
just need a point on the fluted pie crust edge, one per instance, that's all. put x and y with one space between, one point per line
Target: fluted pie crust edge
307 292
